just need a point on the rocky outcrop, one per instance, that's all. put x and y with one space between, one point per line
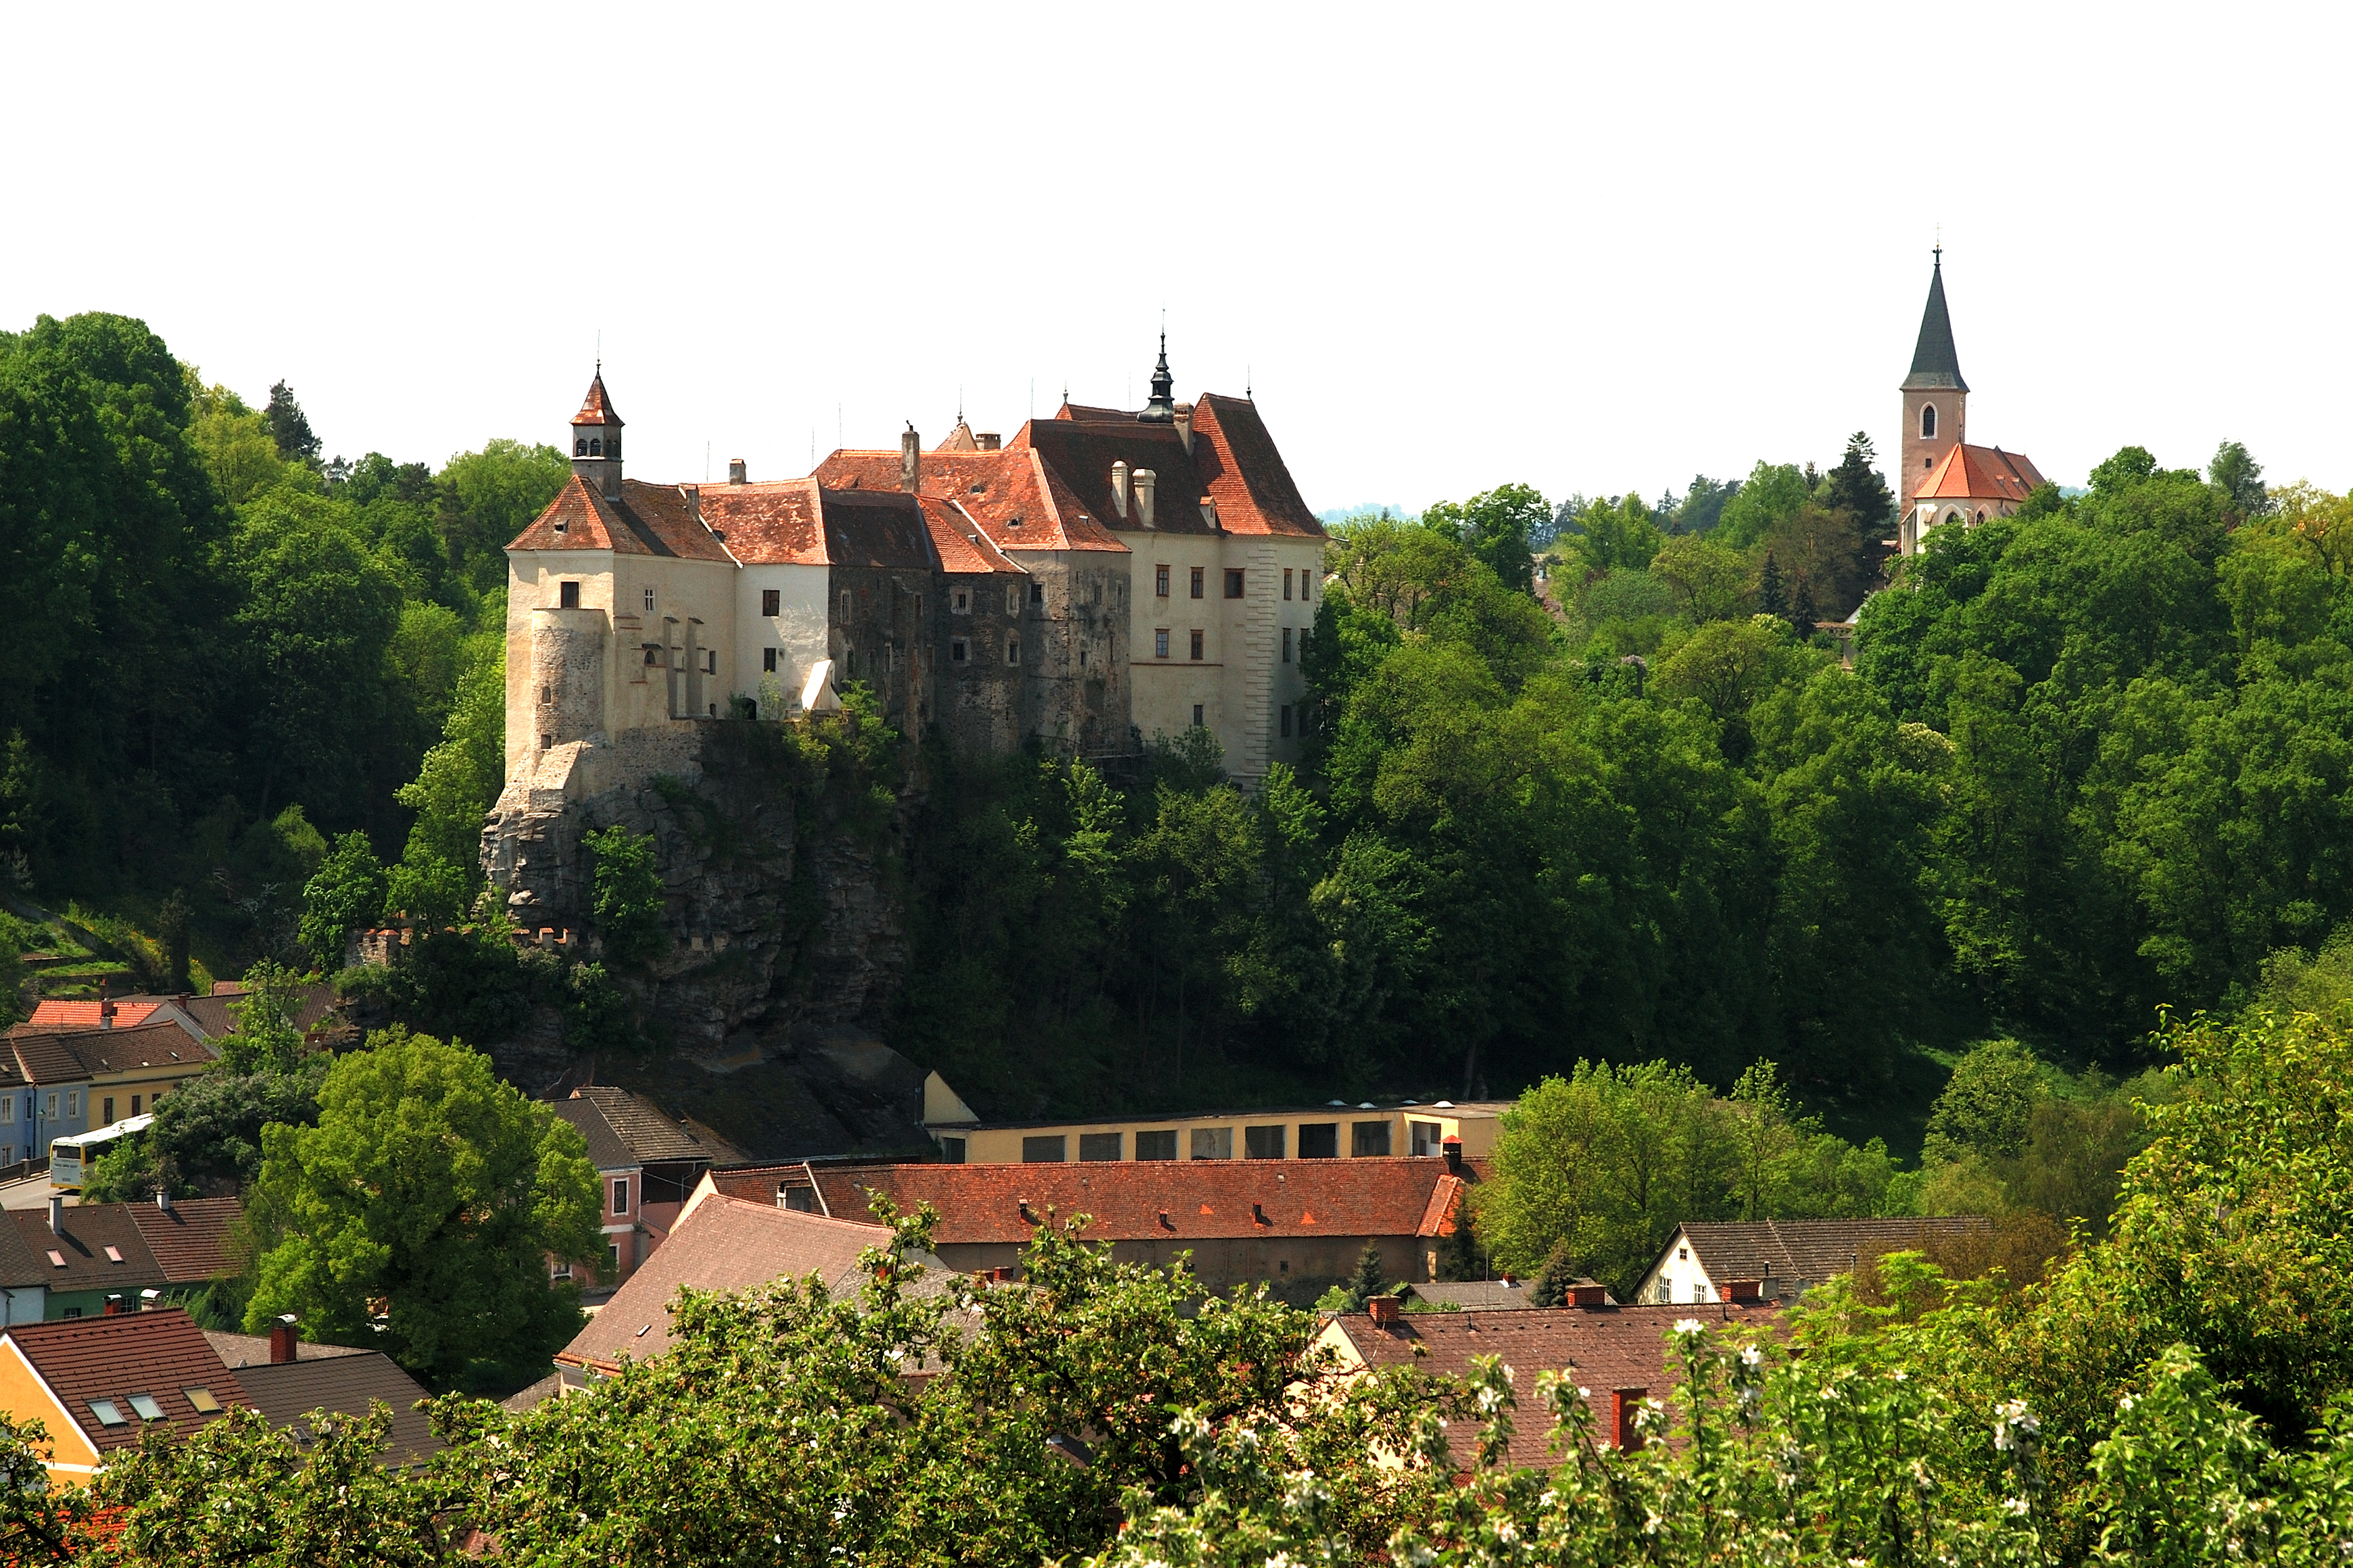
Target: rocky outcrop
785 923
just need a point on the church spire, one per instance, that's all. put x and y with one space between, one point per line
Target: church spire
1936 363
1162 408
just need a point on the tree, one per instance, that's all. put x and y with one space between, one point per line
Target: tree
289 428
1498 527
2241 478
1987 1104
626 897
1857 487
1772 492
433 1188
1770 599
1711 582
343 896
1365 1280
265 1038
1619 536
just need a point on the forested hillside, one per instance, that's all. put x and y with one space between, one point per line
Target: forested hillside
2090 761
233 651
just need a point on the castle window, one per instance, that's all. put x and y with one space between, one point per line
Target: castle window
710 661
1013 598
546 742
959 601
652 652
580 448
595 447
567 596
648 600
1286 645
1160 581
1013 651
772 601
1927 422
547 694
1197 582
845 606
1197 715
957 651
1233 582
1286 582
768 660
1160 642
1197 642
1038 593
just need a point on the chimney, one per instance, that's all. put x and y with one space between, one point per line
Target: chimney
1744 1289
150 1298
736 473
105 1007
1185 425
113 1308
1119 487
989 442
1145 479
1384 1309
1625 1405
282 1340
57 1213
910 452
163 1199
1452 1148
1588 1295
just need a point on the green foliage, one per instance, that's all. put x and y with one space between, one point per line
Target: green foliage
343 896
432 1187
1498 527
1772 493
208 1132
265 1038
626 895
1985 1108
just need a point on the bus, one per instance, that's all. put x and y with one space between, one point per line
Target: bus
71 1152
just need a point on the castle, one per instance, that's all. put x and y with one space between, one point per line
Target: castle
1105 577
1943 479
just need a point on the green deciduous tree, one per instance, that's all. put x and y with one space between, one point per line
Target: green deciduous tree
419 1213
1498 527
626 895
343 896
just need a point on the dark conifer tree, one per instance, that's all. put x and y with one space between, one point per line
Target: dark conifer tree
1802 612
296 444
1857 486
1769 598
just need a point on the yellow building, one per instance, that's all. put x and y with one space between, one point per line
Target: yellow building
98 1385
1335 1131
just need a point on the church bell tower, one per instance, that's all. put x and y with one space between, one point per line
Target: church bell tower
1935 398
596 440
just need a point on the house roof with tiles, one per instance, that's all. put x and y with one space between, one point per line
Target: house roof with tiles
49 1056
216 1015
720 1243
287 1392
194 1239
1603 1349
776 522
61 1016
1805 1251
877 528
1181 1200
96 1366
1980 473
95 1247
648 520
626 1130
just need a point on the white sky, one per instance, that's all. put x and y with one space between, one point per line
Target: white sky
1587 248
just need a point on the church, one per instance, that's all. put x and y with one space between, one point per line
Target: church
1945 481
1105 577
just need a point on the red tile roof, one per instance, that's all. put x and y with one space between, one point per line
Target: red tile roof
777 524
160 1355
1980 473
963 546
1795 1253
597 408
1146 1200
650 520
54 1014
193 1239
722 1244
1244 472
1604 1348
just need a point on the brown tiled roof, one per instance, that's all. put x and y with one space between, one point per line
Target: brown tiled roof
1980 473
722 1244
597 408
1009 493
629 1126
287 1392
98 1248
1603 1349
876 527
963 546
59 1056
238 1351
313 1001
191 1240
160 1354
1080 454
650 520
1146 1200
778 523
1244 472
1481 1295
1806 1251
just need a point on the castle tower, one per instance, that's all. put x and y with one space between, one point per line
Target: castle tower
596 440
1935 398
1162 408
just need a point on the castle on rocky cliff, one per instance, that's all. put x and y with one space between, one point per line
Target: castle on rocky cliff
1104 577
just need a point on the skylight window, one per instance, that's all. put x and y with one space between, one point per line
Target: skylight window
202 1398
114 1255
148 1409
57 1259
109 1414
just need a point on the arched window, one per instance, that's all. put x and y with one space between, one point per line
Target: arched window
1953 517
580 448
1980 517
595 448
1927 422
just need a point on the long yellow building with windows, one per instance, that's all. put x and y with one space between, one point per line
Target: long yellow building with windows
1335 1131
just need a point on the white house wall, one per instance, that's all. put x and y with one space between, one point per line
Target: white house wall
797 631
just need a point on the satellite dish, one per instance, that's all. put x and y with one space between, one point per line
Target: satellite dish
817 695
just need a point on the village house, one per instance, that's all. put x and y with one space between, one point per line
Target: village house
1298 1226
1619 1355
287 1377
646 1165
98 1385
87 1260
1785 1255
1940 478
1105 577
71 1078
719 1243
1335 1131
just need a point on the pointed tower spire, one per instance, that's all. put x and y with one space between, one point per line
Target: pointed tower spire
1162 408
596 439
1936 364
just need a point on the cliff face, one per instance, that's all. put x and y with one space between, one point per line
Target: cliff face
784 920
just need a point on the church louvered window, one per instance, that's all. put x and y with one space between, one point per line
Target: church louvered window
1927 422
